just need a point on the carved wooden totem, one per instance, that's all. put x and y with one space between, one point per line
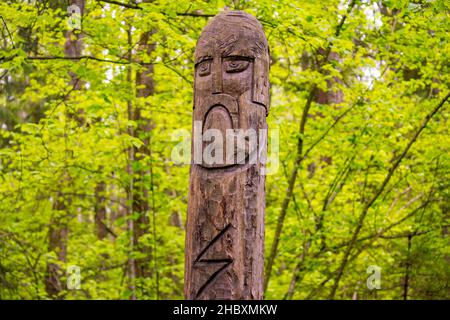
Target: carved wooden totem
225 224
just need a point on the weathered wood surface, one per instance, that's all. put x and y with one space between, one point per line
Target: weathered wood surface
225 225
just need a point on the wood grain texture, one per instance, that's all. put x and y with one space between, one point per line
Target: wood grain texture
225 225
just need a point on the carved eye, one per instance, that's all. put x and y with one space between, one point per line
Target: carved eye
204 68
236 65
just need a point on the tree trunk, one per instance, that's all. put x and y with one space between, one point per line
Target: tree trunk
58 236
58 230
145 84
100 211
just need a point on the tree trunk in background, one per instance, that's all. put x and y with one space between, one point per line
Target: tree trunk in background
131 223
145 88
58 229
73 48
74 44
407 268
14 86
138 190
58 235
100 211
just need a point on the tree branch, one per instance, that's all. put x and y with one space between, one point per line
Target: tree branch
78 58
137 7
298 159
7 30
369 204
122 4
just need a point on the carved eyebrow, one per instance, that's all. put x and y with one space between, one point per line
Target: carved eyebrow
238 57
203 58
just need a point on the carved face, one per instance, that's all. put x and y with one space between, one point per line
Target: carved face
232 57
231 73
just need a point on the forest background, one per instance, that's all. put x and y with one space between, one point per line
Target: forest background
90 107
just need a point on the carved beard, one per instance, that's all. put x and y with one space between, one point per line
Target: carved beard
238 121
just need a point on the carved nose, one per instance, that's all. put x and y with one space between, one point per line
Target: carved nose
216 76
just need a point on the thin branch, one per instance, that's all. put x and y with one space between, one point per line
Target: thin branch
137 7
178 73
82 58
194 14
122 4
7 30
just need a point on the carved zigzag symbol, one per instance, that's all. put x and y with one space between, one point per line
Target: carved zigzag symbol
223 263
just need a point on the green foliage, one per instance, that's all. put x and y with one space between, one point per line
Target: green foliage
387 69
